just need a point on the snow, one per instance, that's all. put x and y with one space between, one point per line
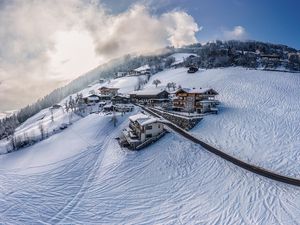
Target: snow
258 116
143 119
138 116
180 57
126 84
142 68
149 121
82 176
31 127
150 90
196 90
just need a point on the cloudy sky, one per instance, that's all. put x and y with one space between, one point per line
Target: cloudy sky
46 43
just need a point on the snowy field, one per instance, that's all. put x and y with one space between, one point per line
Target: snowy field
259 115
180 57
82 176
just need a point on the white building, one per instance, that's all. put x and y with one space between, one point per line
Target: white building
143 130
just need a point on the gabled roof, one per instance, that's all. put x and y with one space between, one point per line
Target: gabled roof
197 90
149 91
110 88
143 119
139 116
142 68
121 97
90 96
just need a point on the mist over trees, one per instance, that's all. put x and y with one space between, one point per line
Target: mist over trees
106 71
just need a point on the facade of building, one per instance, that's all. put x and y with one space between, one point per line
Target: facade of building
120 99
142 130
121 74
108 91
201 100
143 70
91 99
149 96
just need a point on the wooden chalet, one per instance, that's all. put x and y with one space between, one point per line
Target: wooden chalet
120 99
91 99
108 91
199 100
149 96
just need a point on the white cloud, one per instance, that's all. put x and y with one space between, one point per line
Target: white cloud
50 42
237 33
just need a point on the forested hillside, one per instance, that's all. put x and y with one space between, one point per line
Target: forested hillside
249 54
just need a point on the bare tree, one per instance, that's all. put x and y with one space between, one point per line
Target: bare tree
52 117
173 85
42 130
156 82
169 85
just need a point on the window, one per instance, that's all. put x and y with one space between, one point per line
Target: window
149 136
148 127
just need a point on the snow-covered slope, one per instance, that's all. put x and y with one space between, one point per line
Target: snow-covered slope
259 116
180 57
31 127
82 176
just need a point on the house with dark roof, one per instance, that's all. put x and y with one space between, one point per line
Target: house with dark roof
200 100
108 91
149 96
120 99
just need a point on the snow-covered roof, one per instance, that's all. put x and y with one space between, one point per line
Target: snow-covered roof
88 95
138 116
143 119
108 105
105 87
149 121
196 90
142 68
149 91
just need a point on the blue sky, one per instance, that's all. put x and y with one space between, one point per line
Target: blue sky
275 21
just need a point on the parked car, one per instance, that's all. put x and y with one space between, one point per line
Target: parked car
193 69
63 126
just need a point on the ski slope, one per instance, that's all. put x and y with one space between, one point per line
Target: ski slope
82 176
